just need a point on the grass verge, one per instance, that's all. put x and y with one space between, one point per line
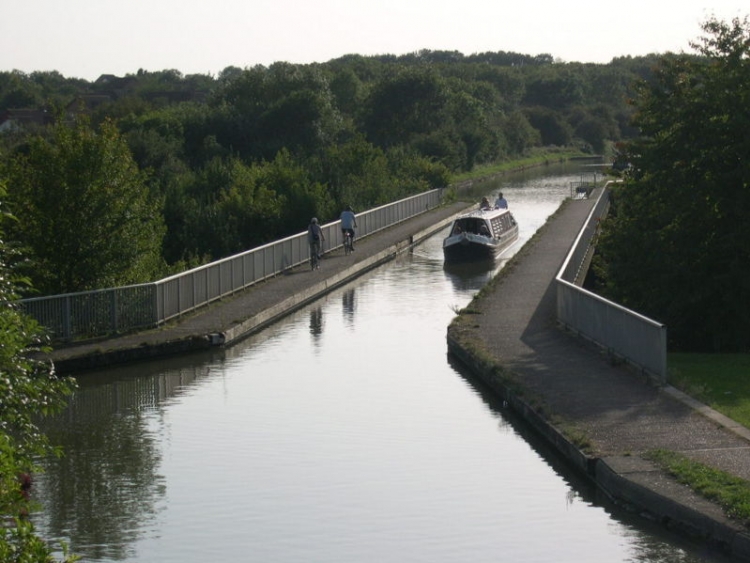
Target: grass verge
722 381
731 493
540 156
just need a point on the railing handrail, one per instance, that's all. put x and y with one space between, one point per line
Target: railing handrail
88 292
125 308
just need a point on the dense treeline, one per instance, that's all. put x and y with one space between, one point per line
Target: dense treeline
677 243
208 166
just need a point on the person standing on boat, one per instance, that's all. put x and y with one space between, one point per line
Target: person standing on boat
348 223
485 204
501 202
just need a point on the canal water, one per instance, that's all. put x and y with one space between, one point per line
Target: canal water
344 433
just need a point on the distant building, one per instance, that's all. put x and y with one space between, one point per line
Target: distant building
86 104
116 86
23 118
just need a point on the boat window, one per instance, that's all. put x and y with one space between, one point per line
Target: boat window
497 226
502 224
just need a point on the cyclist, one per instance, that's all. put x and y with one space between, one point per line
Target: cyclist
314 238
348 223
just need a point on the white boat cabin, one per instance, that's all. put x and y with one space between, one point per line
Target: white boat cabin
490 223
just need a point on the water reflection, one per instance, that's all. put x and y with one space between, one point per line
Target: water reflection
106 488
316 323
348 305
467 276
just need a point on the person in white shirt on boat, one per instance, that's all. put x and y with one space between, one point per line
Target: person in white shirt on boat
501 202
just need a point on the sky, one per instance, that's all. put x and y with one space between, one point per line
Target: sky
88 38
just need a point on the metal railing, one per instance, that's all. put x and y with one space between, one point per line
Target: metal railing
91 314
635 338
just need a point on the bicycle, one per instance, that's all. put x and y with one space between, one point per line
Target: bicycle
315 255
347 243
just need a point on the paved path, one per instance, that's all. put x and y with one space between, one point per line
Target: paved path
512 326
558 377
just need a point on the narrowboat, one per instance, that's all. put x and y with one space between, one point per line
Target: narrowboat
480 235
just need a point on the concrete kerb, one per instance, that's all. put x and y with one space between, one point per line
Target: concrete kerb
625 480
530 414
708 412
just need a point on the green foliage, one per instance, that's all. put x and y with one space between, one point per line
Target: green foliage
302 198
718 380
555 87
20 543
553 128
84 211
732 493
252 154
520 135
676 247
285 106
223 208
28 389
409 102
356 173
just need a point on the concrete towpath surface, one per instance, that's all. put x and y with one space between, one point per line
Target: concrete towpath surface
561 385
510 337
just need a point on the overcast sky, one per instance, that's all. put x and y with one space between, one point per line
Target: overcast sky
87 38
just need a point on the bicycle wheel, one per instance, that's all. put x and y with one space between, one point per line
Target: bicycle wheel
314 251
347 244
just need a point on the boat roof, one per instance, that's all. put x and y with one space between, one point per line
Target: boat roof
483 213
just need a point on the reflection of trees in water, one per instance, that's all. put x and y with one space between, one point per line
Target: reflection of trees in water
104 490
347 301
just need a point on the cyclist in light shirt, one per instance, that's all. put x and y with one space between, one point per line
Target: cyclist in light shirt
348 223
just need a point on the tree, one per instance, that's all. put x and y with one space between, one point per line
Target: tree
28 389
520 134
224 208
284 106
85 212
677 247
408 103
551 124
17 91
556 87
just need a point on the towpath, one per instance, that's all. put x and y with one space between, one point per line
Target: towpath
573 394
